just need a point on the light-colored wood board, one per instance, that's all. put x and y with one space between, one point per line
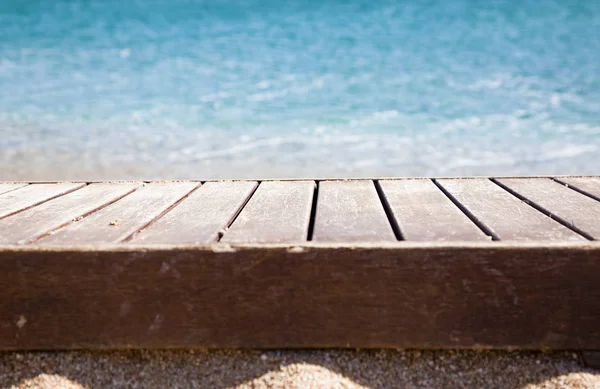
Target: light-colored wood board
573 208
201 216
424 213
31 224
31 195
8 187
350 211
119 220
588 185
278 212
504 214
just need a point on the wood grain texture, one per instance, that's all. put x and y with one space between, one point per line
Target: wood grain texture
123 218
8 187
571 207
35 222
350 211
405 297
504 214
30 195
588 185
201 216
278 212
424 213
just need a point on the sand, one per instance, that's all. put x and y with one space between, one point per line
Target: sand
295 369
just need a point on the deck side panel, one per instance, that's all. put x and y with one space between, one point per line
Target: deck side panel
476 297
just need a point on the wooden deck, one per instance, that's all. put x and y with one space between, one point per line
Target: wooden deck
478 262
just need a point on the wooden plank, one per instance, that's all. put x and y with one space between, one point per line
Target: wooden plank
504 215
201 217
588 185
8 187
575 209
490 295
350 211
424 213
278 212
33 223
123 218
31 195
591 359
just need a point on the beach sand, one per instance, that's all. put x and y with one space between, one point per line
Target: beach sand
291 369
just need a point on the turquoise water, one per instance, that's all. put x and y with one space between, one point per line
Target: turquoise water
233 89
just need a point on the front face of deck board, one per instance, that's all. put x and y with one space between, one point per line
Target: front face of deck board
319 297
334 263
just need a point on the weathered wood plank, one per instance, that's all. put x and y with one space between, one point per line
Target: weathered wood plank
588 185
123 218
201 217
350 211
591 358
31 195
577 210
278 212
424 213
8 187
33 223
406 297
503 214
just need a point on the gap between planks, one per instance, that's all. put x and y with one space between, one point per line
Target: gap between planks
543 210
467 212
163 213
221 233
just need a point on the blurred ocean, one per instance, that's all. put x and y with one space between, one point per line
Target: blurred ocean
106 89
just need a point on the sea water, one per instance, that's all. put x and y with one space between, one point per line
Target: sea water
101 89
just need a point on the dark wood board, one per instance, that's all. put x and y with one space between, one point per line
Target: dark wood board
491 295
